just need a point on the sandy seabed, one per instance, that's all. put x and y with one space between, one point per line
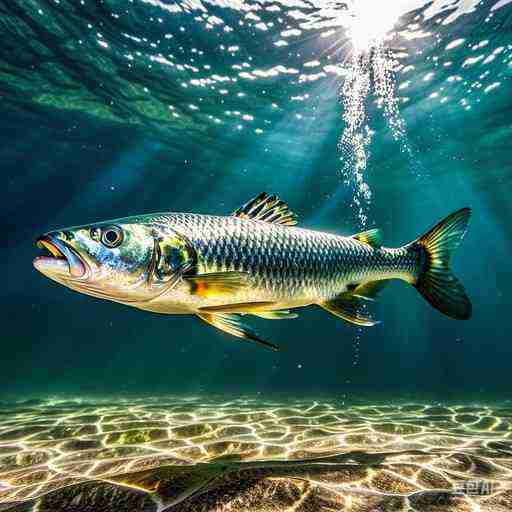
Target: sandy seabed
211 454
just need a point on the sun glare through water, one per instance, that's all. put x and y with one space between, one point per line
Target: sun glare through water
370 70
370 22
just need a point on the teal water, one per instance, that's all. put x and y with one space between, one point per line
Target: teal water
111 110
359 114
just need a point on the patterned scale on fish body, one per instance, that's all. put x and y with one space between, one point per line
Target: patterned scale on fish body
287 266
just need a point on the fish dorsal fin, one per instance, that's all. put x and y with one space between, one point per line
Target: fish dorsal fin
268 208
371 237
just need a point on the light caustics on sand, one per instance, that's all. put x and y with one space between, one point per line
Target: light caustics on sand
371 68
154 453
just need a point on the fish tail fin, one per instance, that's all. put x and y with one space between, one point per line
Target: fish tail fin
436 282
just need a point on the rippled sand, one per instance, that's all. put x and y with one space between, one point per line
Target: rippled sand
195 454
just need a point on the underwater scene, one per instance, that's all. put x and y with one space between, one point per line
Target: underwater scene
257 255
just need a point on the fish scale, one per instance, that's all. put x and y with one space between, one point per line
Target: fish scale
284 261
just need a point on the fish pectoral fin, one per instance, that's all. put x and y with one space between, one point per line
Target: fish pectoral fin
239 307
370 290
217 283
268 208
351 308
372 237
282 314
232 325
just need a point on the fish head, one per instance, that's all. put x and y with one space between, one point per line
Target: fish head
120 261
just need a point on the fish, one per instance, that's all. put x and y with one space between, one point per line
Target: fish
255 261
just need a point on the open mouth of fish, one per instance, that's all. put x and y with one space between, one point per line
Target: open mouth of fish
58 258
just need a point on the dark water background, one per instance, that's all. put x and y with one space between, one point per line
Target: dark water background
90 132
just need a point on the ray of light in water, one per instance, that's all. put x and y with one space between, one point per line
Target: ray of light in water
371 70
384 68
370 22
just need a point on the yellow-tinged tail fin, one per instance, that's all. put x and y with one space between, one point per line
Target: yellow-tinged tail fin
436 282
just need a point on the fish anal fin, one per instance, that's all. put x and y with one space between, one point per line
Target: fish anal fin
371 289
282 314
268 208
217 283
239 307
350 308
231 324
372 237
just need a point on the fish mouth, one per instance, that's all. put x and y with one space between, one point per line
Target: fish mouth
59 258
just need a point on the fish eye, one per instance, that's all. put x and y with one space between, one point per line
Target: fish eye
112 237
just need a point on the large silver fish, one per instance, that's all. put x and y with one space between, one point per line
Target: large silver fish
252 262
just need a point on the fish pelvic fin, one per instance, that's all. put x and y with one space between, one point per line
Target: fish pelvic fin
436 282
231 324
351 308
